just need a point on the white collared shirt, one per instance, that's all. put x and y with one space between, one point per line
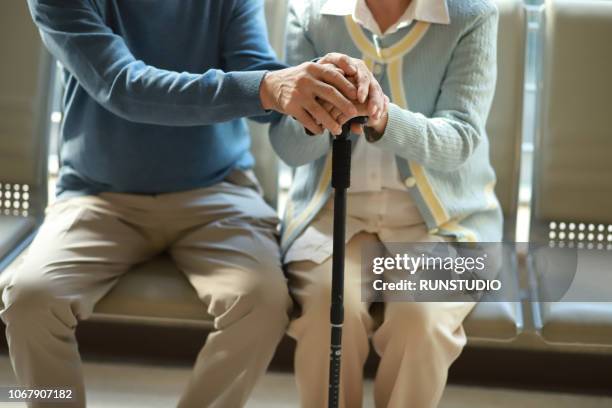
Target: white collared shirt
374 169
431 11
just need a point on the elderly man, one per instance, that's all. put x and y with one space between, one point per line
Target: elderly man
155 157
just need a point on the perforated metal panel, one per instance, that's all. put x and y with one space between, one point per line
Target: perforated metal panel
15 199
580 235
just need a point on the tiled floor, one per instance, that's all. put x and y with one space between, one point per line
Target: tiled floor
153 386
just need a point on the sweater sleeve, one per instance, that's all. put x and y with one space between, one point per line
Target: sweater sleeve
76 35
246 46
449 137
288 137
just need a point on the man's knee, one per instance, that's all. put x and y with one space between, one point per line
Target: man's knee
271 296
35 305
264 301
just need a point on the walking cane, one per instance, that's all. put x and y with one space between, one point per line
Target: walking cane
341 180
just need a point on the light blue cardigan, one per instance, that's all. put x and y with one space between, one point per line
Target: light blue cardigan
441 80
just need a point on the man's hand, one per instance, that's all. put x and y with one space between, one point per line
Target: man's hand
300 91
368 88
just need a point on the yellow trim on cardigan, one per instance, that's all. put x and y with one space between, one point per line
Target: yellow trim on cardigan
361 40
490 196
288 209
318 195
369 62
398 95
464 234
396 83
392 53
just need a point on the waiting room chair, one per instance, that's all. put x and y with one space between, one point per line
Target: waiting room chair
25 74
572 198
503 320
157 292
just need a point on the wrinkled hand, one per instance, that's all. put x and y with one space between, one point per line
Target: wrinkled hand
300 91
378 124
369 91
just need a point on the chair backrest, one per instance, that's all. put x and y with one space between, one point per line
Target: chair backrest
573 163
504 126
24 111
266 166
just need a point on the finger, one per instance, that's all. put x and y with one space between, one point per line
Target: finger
327 106
342 61
308 122
362 109
334 68
331 109
342 119
376 103
335 78
363 78
321 115
338 70
332 95
335 113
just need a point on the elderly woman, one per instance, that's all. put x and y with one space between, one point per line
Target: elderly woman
421 173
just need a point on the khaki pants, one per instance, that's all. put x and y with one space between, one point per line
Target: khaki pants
223 238
417 342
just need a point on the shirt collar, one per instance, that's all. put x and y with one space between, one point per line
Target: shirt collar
431 11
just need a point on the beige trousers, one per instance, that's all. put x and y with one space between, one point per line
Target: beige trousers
416 342
223 238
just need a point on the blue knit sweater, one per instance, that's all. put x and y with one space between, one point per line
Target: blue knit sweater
155 90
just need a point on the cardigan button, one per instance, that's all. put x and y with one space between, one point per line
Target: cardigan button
378 69
410 182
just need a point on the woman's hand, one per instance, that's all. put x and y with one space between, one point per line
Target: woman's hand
369 91
378 125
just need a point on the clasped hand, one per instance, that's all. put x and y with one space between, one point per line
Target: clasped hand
325 94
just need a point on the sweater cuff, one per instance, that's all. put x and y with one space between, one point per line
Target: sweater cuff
404 128
244 91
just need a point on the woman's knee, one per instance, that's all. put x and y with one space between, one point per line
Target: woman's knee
313 313
420 326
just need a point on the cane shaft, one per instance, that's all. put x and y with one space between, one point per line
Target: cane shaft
341 180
